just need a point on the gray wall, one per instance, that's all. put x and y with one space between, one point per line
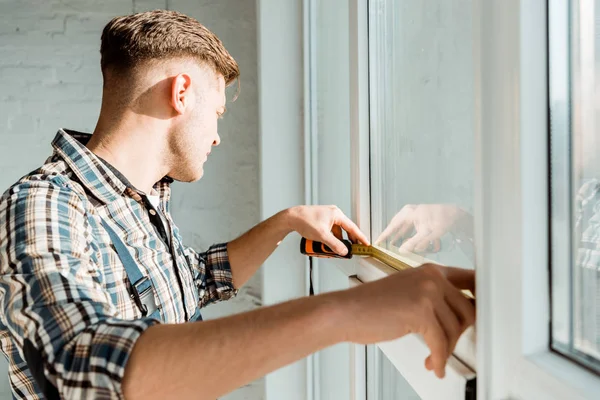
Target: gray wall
50 78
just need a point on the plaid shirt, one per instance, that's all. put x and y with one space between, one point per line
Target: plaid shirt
67 317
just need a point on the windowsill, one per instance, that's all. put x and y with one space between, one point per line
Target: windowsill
408 355
368 269
550 375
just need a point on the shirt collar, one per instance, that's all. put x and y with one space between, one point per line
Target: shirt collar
106 185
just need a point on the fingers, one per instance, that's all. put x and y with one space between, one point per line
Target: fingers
435 338
454 314
351 228
450 323
401 229
384 235
337 232
428 363
460 278
412 243
401 223
397 226
462 307
429 243
335 244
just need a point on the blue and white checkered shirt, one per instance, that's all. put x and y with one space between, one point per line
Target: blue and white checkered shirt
67 318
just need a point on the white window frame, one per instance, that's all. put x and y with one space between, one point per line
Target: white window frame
514 360
281 96
408 353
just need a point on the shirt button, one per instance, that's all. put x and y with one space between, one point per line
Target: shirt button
152 212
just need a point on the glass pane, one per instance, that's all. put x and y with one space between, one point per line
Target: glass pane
422 128
332 80
385 382
575 179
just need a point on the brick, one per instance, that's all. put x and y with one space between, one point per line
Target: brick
82 124
23 124
149 5
7 110
24 41
61 91
113 7
47 92
40 56
89 41
74 107
38 108
93 93
87 23
11 9
23 153
22 26
52 124
81 74
74 115
28 74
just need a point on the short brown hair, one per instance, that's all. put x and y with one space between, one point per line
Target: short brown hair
130 40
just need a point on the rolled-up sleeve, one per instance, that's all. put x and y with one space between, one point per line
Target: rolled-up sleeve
212 274
53 302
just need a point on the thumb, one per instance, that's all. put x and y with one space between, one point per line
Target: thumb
335 244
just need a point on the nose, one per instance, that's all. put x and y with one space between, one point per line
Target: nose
217 140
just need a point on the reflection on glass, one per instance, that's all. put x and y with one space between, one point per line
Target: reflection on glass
429 229
575 179
422 128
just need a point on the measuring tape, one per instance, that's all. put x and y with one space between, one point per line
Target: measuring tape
313 248
318 249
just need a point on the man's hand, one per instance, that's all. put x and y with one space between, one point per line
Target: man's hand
322 223
325 224
425 300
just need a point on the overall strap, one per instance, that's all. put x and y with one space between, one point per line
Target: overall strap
141 286
197 316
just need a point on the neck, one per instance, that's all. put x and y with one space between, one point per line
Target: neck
133 145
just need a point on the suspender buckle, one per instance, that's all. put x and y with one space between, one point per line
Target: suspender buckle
142 296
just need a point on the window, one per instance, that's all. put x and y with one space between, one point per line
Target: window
575 180
422 143
444 106
422 121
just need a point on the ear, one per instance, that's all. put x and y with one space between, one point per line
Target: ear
181 93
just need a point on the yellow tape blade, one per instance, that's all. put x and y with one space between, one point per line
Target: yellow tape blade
389 258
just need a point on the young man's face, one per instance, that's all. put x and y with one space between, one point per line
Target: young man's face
196 130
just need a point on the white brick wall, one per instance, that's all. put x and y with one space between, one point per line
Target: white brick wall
50 78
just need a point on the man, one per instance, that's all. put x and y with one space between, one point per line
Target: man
96 285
